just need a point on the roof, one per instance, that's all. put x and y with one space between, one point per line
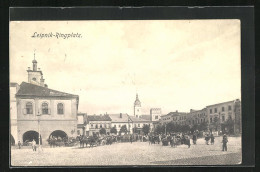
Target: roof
98 118
117 118
175 114
27 89
221 103
13 84
83 114
146 117
134 119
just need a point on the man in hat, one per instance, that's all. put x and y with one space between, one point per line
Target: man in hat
224 141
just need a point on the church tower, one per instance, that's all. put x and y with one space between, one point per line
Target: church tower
35 76
137 107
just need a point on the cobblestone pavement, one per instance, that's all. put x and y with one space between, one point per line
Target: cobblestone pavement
137 153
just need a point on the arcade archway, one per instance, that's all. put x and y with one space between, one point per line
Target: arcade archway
30 135
12 140
59 134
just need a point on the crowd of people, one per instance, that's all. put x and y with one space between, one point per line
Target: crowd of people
172 139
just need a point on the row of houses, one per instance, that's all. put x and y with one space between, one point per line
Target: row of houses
91 124
38 112
214 116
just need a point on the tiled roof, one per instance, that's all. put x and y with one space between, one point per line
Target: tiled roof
134 119
117 118
27 89
98 118
146 117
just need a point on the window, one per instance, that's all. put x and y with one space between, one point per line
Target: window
115 126
44 108
29 108
138 125
215 110
78 132
210 111
91 125
201 120
156 117
105 125
210 120
100 125
119 126
229 107
223 109
60 108
223 118
96 126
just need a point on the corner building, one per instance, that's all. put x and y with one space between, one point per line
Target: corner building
39 108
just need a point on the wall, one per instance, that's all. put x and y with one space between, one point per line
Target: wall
47 127
155 112
48 123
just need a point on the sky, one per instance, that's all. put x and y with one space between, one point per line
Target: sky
171 64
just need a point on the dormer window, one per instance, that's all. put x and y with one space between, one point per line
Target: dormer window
34 79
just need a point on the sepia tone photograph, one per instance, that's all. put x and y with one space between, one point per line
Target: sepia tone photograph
125 92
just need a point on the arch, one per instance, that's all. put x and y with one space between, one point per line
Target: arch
12 141
28 136
59 133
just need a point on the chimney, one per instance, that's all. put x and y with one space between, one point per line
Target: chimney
120 115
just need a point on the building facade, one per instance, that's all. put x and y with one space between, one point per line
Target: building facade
219 114
14 87
155 114
42 110
94 123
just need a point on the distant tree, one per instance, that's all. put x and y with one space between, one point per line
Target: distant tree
185 128
123 129
102 131
113 130
194 128
170 127
203 126
229 124
135 130
146 129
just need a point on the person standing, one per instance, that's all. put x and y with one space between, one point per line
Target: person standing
131 139
34 145
194 138
212 139
19 144
224 141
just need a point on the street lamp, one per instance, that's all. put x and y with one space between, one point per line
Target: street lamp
39 131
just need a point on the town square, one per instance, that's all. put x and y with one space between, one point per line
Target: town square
137 153
149 102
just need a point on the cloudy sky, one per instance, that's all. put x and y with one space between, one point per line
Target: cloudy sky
172 64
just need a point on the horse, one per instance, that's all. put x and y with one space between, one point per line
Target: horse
183 140
86 140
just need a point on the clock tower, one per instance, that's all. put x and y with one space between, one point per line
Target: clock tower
137 107
35 75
